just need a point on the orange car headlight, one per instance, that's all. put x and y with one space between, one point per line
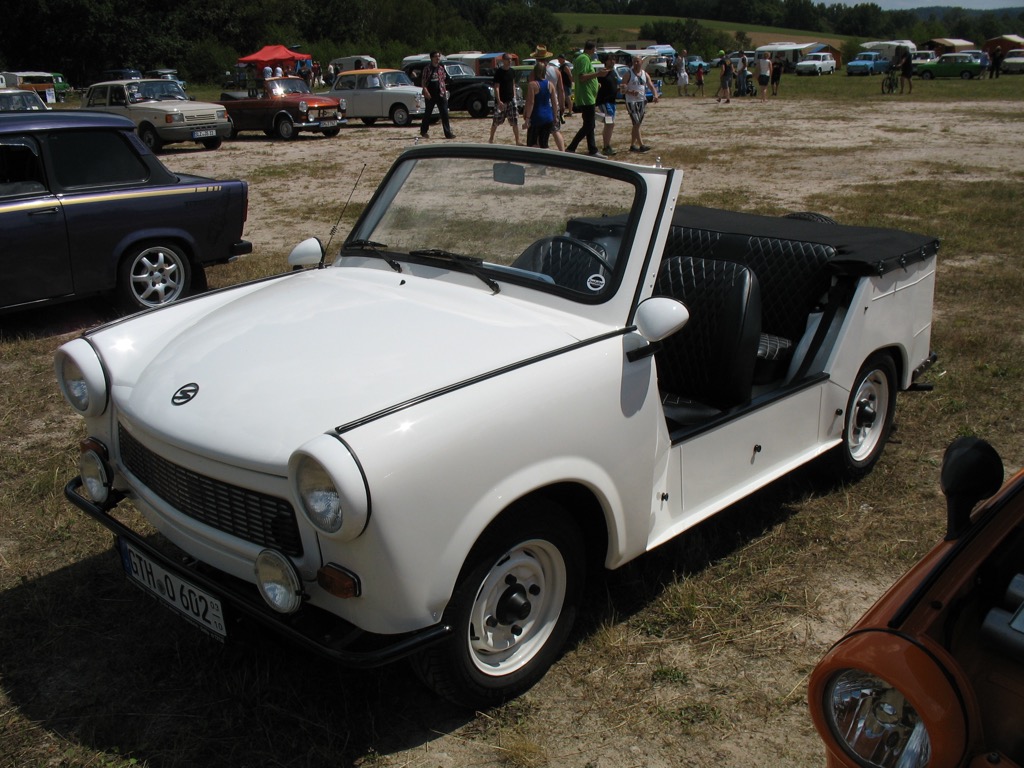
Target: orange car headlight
874 722
881 699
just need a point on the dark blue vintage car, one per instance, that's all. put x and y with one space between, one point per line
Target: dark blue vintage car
86 208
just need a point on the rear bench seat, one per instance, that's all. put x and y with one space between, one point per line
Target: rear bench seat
791 270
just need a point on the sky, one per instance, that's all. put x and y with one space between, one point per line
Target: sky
979 5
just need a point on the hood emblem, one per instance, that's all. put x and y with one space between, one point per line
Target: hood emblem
185 394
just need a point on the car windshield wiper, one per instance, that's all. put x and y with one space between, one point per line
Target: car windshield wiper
362 244
469 264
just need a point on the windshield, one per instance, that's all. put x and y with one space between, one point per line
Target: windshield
391 79
288 85
554 228
156 90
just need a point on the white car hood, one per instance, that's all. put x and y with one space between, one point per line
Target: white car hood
300 355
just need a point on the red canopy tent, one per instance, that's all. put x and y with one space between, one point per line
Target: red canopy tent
274 55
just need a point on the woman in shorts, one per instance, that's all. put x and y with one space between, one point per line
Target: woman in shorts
764 74
637 83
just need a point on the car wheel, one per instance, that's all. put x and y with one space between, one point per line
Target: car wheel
285 129
477 107
869 417
512 609
331 132
400 115
213 143
149 137
927 75
966 75
153 275
821 218
368 120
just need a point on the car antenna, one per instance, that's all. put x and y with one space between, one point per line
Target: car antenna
334 229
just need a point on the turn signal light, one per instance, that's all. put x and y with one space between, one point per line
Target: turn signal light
336 581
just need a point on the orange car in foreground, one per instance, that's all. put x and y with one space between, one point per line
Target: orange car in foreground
933 674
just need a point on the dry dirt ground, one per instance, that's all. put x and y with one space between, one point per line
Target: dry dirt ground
646 704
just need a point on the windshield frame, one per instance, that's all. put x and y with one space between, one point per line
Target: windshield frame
377 207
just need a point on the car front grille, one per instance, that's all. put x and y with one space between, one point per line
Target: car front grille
202 117
320 114
255 517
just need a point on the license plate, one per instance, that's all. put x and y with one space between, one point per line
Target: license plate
328 123
205 134
190 601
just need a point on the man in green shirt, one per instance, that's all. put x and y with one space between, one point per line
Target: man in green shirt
586 85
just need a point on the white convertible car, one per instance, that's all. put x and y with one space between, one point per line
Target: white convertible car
521 364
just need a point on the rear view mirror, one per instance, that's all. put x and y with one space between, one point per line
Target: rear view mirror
509 173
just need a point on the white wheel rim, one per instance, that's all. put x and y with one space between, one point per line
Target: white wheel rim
517 607
868 415
157 277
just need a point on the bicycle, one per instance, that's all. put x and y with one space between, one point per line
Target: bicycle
891 81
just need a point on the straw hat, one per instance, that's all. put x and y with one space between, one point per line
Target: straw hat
541 53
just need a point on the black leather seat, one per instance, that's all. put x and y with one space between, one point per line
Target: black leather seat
569 262
708 366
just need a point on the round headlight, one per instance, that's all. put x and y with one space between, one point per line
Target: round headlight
329 486
875 723
278 581
303 106
81 378
95 473
319 496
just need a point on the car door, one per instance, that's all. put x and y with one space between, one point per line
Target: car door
345 88
34 257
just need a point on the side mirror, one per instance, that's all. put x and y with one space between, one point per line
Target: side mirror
971 471
308 253
659 317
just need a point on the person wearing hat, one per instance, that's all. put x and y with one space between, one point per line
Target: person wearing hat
725 81
553 75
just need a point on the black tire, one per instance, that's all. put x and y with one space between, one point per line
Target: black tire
368 120
821 218
150 138
927 75
477 107
512 608
330 133
400 116
154 274
966 75
868 418
213 143
284 128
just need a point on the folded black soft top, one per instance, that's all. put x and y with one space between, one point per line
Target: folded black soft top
859 250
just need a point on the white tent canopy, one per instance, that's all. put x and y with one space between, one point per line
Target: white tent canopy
785 47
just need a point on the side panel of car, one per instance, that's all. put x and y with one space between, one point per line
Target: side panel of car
33 236
409 561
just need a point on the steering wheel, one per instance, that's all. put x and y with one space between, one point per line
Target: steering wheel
572 247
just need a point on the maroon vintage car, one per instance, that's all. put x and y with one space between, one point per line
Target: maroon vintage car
284 107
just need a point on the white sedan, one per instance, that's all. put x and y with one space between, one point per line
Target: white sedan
1013 63
816 64
502 380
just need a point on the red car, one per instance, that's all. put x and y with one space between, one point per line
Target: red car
933 674
284 107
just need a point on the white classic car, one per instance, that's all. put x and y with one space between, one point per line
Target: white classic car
816 64
501 380
162 112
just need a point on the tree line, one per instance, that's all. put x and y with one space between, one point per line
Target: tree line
203 39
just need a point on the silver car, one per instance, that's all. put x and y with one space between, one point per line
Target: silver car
373 94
